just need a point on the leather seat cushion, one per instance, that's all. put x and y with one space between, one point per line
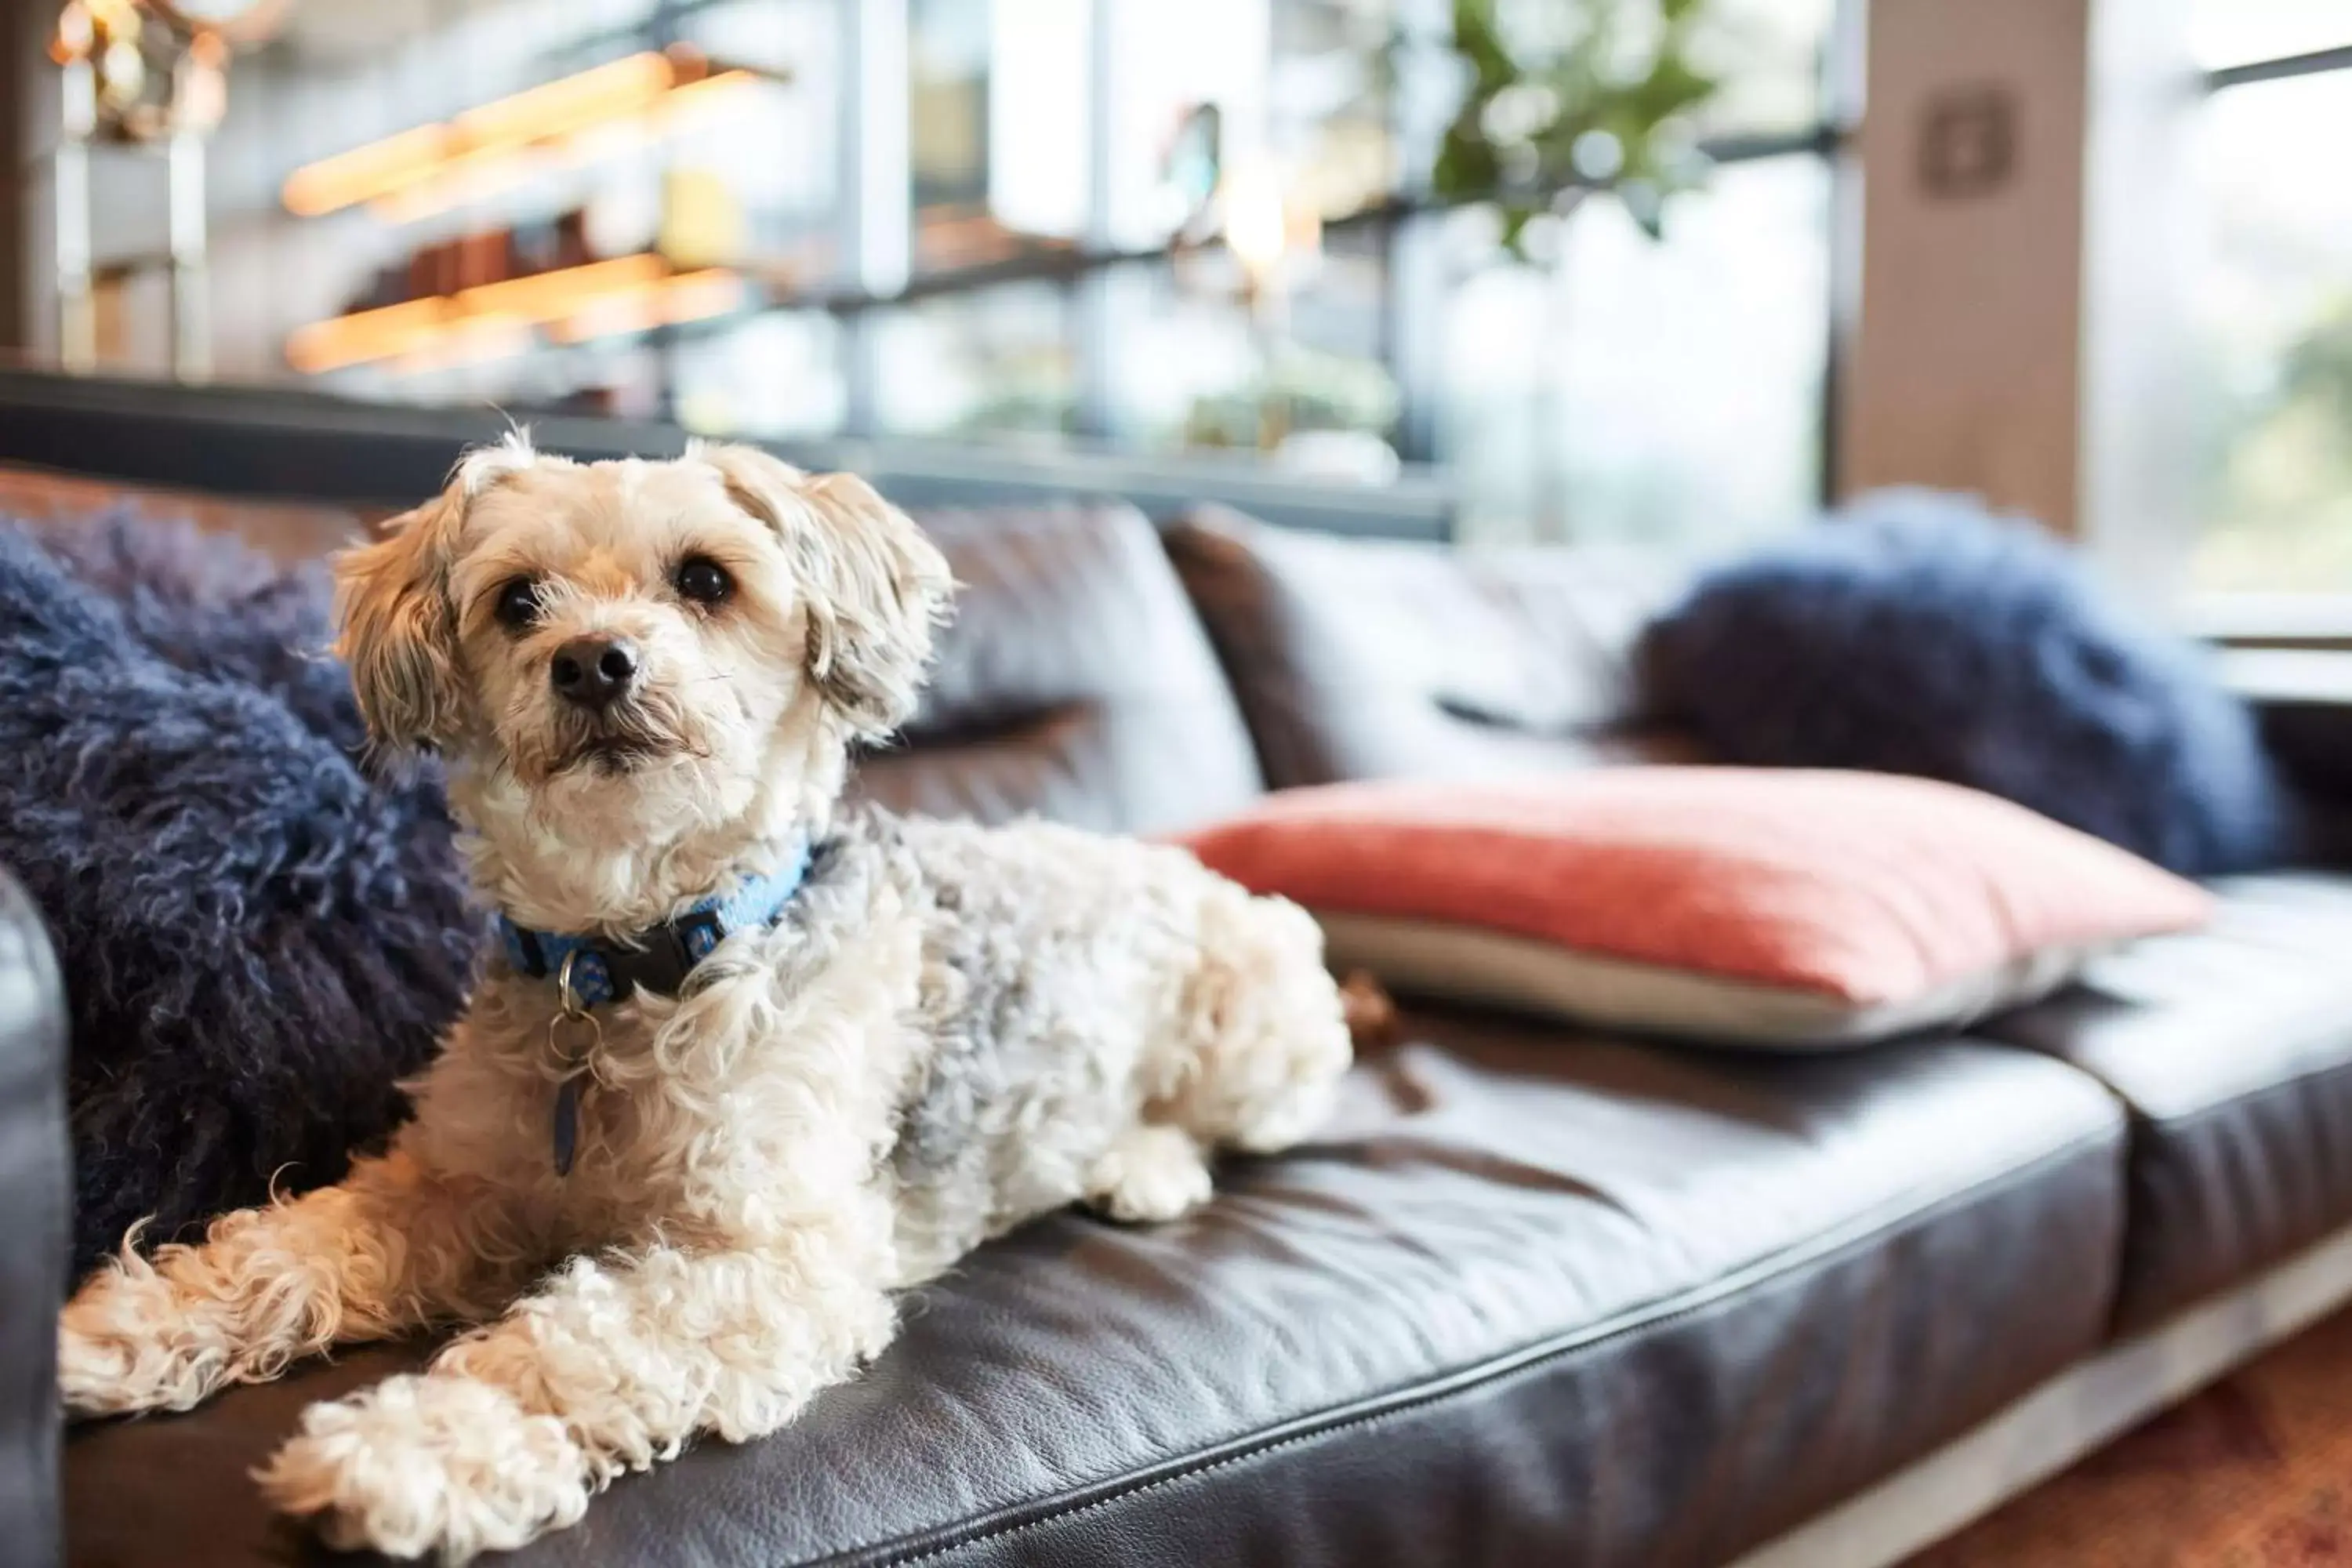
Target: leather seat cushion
2232 1048
1075 681
1531 1298
1363 658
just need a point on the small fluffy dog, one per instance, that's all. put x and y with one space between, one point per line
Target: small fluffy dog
750 1064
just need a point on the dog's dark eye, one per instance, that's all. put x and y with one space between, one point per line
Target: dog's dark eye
702 580
517 606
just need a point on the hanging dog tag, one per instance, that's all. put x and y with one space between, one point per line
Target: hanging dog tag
567 1124
577 1064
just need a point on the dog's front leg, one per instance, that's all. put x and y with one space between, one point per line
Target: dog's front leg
390 1248
613 1364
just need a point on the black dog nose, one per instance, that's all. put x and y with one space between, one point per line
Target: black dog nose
592 671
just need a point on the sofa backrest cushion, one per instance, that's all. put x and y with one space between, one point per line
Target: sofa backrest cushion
1360 658
1075 682
290 531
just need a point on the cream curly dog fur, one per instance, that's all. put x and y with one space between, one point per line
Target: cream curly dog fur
948 1031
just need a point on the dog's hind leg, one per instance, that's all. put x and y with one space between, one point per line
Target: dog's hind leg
387 1248
613 1365
1260 1051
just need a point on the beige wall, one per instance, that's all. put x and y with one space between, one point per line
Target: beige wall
1965 371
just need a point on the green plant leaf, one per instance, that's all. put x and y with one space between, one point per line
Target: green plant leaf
1581 78
1479 41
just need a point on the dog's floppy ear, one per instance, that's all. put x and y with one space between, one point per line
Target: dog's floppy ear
394 625
874 586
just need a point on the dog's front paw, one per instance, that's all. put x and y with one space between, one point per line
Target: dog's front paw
94 1373
124 1346
1150 1173
430 1463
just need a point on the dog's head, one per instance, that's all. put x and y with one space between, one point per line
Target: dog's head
627 654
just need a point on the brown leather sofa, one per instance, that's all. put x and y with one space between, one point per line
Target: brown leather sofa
1535 1297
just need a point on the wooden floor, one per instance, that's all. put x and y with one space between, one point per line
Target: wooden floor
2256 1472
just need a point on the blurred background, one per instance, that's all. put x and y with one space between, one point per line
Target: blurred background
1604 269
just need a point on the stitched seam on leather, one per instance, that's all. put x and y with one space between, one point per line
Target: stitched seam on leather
1841 1243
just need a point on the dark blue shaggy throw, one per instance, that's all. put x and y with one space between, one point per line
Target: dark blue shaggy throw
1918 634
257 938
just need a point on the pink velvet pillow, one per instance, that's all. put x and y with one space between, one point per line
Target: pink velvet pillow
1724 904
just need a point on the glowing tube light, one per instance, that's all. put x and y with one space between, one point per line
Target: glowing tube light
627 293
645 89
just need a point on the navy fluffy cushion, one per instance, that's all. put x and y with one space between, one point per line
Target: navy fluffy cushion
258 938
1918 634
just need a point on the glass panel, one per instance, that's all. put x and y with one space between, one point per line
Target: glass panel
1187 345
947 102
1769 54
1666 395
1326 109
1297 376
1269 113
995 363
771 149
1193 102
1272 110
2240 32
997 112
774 376
2274 303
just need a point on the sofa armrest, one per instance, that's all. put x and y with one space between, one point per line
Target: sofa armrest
2303 699
35 1222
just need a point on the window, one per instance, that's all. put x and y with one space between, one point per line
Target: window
1664 393
992 364
1198 369
1185 235
2224 34
1771 56
2273 300
774 375
997 117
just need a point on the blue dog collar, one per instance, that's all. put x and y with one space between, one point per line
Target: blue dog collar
658 958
